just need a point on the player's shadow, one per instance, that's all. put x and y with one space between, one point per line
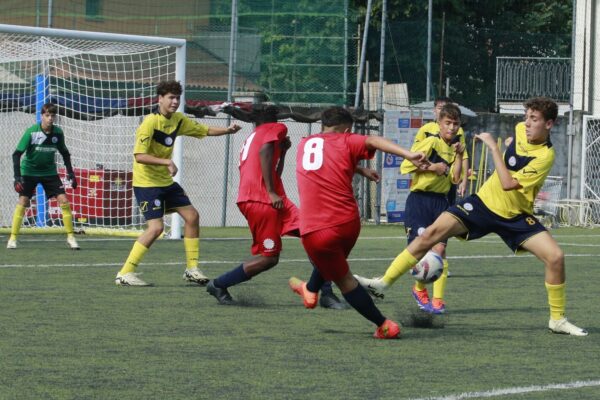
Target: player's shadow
496 310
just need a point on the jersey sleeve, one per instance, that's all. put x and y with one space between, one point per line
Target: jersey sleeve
192 128
533 174
275 133
463 141
358 146
61 145
24 142
420 134
143 135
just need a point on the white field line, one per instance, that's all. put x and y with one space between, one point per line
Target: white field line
282 261
516 390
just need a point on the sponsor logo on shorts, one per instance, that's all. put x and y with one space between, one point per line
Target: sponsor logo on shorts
420 231
269 244
168 141
144 206
156 204
468 206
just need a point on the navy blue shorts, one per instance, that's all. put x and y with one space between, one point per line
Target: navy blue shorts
422 208
480 221
154 202
52 185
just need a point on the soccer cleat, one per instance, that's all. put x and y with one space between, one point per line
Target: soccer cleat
388 330
565 327
12 244
130 279
222 295
438 306
72 243
422 298
331 301
196 276
309 298
375 286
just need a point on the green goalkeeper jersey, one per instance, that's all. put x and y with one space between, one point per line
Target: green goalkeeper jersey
40 149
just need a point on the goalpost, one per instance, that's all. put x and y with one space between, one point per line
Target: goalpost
103 85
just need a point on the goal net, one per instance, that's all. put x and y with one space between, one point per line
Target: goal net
103 85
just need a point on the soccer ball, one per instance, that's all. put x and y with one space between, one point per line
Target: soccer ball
429 268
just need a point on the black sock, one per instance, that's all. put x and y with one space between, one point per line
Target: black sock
326 288
315 282
362 302
231 278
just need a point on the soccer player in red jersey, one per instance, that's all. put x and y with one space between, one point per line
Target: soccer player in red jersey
264 204
329 218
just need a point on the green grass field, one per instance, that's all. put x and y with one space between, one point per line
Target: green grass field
67 332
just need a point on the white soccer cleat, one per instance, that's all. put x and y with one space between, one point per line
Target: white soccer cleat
72 243
12 244
196 276
565 327
130 279
375 286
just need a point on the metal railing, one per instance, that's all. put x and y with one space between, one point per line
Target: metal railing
519 78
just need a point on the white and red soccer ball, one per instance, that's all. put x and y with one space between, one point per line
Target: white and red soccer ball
429 268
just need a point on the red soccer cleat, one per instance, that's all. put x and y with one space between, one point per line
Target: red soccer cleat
388 330
309 298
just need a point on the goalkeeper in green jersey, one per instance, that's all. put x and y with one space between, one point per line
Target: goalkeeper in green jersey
39 143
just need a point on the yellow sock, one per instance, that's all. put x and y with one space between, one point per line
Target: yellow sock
402 263
135 256
67 218
17 221
557 300
439 286
192 250
419 286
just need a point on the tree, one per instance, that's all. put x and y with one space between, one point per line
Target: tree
476 32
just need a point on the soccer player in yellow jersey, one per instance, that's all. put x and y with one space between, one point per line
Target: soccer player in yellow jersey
433 128
504 205
155 191
428 194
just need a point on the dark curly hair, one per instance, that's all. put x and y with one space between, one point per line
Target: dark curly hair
545 105
173 87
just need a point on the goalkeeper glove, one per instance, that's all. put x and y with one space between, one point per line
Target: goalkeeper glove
73 180
19 184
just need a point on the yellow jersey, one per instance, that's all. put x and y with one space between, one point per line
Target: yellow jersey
529 164
436 150
433 128
156 136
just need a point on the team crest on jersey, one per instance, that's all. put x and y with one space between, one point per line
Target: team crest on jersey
54 140
512 161
168 141
268 244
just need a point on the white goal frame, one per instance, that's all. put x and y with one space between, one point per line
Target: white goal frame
180 63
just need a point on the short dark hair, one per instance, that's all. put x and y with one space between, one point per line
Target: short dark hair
442 99
450 110
336 116
49 108
545 105
173 87
264 115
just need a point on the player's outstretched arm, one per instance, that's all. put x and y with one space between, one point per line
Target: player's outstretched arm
368 173
506 180
218 131
379 143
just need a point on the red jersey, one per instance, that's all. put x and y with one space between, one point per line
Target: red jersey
325 166
252 186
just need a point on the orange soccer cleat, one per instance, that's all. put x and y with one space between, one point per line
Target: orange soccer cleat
309 298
